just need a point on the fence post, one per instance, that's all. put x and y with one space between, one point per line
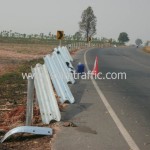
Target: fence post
30 97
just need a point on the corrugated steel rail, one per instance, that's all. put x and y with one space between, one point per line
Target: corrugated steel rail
61 87
45 95
64 70
28 129
65 50
65 58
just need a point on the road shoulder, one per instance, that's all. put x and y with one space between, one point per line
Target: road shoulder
95 129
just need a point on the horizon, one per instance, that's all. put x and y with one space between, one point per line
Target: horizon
35 17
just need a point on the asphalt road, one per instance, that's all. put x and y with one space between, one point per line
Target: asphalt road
109 114
130 98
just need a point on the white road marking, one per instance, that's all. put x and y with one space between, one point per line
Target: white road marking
119 124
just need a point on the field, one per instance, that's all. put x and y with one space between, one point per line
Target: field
147 49
16 59
12 55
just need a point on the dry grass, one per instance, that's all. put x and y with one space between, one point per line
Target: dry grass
15 59
35 49
147 49
13 55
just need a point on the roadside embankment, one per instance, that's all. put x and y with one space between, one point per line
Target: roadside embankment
147 49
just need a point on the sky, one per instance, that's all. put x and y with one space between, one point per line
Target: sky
44 16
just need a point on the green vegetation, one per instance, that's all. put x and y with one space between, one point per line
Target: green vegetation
88 23
9 37
123 38
138 42
77 36
12 86
14 37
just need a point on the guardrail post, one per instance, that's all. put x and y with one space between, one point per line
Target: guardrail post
30 97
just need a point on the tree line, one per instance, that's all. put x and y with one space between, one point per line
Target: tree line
86 33
15 37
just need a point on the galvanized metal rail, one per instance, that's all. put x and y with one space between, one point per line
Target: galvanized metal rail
56 71
28 129
45 94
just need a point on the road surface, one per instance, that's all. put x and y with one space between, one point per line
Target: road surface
110 114
130 98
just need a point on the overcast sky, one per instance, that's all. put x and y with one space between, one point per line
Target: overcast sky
44 16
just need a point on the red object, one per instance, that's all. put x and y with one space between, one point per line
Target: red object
95 68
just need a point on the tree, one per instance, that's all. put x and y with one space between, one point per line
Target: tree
24 35
41 35
123 37
147 43
88 23
138 42
110 40
104 40
78 36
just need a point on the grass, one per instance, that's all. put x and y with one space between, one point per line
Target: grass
35 49
147 49
13 88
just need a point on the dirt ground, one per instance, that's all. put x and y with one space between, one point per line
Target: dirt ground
31 142
11 55
147 49
15 58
